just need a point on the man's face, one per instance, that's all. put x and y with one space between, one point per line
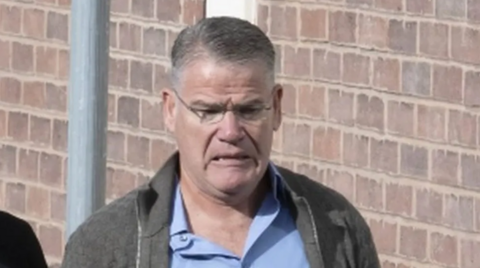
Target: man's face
224 154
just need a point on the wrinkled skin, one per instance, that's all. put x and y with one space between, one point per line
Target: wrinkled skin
227 181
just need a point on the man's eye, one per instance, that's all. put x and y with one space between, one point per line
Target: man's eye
249 110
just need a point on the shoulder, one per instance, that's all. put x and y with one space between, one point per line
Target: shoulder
108 236
324 200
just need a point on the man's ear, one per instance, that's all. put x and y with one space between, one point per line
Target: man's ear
277 105
168 98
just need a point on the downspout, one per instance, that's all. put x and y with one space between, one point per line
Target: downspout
87 110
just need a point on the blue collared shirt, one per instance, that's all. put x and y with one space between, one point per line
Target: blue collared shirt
273 239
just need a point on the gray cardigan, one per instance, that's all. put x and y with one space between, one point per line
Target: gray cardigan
133 231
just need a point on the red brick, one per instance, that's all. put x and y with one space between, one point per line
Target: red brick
263 17
297 61
10 18
400 118
434 39
154 41
38 202
51 239
431 122
56 97
169 10
278 58
113 32
118 73
363 3
141 76
119 182
63 64
128 111
429 206
313 23
312 100
152 115
3 124
394 5
28 164
5 55
340 107
384 155
193 11
160 152
447 83
443 249
143 8
138 151
370 112
342 26
416 78
385 236
283 21
34 94
112 107
171 37
326 144
22 57
312 172
301 145
473 10
386 74
356 69
399 199
342 182
15 195
326 64
369 193
162 79
10 90
465 44
470 170
130 37
413 242
18 126
65 3
472 89
414 161
445 165
469 257
289 100
116 146
51 169
372 31
459 212
46 60
34 23
477 214
60 135
420 6
450 8
57 26
462 128
402 36
355 150
57 206
120 6
40 130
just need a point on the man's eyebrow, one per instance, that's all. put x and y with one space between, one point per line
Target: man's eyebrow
202 103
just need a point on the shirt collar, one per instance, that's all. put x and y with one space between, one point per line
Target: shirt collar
179 221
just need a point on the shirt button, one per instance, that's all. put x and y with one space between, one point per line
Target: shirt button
183 238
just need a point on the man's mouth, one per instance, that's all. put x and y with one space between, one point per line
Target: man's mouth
231 157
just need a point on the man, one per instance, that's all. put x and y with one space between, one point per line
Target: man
219 201
19 247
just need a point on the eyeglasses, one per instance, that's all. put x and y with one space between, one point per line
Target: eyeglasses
214 113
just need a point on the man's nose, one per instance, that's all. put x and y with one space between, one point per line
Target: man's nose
230 129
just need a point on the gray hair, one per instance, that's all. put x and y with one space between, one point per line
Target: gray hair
224 39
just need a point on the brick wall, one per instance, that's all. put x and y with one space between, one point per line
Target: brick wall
380 105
